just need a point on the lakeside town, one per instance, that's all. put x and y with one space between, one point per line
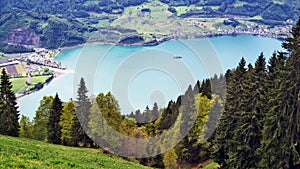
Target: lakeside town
277 32
29 72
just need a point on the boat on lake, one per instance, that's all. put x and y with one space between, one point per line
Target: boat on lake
177 57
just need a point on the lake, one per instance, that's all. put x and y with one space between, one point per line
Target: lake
140 76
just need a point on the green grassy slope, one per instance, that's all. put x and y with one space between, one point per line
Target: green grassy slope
27 153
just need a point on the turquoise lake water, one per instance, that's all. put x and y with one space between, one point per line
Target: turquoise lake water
140 76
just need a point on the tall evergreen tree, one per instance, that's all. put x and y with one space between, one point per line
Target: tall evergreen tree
276 121
223 145
292 43
293 90
188 110
54 129
83 106
169 116
189 116
155 112
280 145
147 115
248 132
9 114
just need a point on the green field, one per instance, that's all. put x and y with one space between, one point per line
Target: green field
38 79
27 153
18 83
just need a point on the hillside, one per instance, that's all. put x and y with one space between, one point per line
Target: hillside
27 153
55 24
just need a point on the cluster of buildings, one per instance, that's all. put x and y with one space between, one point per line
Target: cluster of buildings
41 58
276 32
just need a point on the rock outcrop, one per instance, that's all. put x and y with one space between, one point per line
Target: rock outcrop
23 36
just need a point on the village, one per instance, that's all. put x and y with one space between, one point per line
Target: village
29 72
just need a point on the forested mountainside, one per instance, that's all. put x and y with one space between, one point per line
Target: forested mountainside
60 23
269 9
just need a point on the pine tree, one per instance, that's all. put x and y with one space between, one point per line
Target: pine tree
138 116
169 116
147 115
293 90
280 145
83 106
248 132
155 112
224 147
189 116
9 114
276 122
54 129
292 43
188 110
131 115
206 88
197 87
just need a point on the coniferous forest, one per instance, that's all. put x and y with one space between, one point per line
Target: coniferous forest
259 126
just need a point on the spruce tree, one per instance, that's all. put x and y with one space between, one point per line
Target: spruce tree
54 128
248 132
276 122
224 147
292 43
169 116
83 106
280 145
293 89
188 110
155 112
147 115
9 114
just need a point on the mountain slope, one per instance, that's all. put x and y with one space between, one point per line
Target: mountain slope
27 153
